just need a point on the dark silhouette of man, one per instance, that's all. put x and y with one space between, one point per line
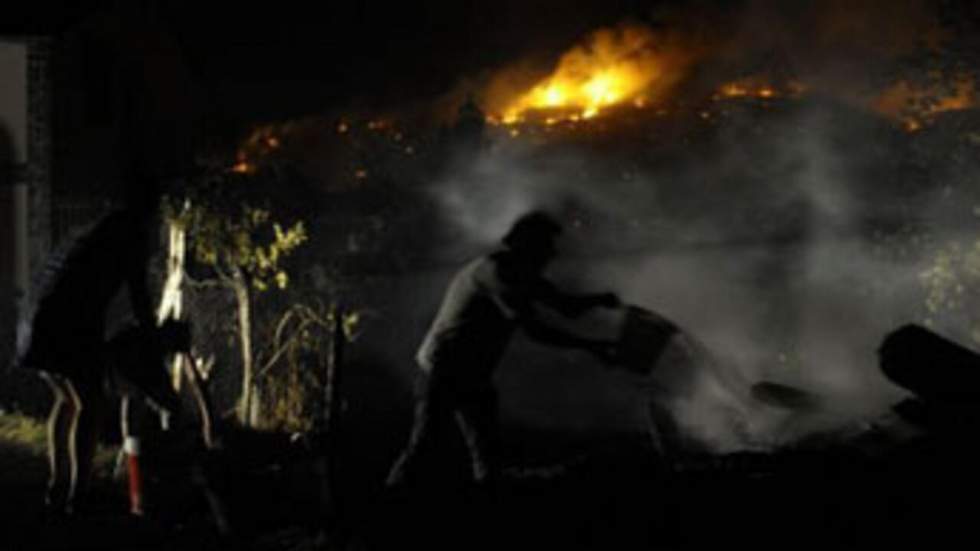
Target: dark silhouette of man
63 336
487 300
135 362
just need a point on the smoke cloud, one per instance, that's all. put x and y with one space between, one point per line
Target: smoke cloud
786 236
759 238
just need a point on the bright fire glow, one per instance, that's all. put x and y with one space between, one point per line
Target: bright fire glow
624 65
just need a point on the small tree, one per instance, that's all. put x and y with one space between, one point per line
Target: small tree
952 283
232 232
299 369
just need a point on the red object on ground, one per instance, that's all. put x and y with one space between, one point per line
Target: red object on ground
132 449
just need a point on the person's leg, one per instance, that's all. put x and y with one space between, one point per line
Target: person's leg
476 416
63 413
419 487
85 434
421 438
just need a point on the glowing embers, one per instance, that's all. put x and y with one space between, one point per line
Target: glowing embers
915 106
257 146
758 88
243 167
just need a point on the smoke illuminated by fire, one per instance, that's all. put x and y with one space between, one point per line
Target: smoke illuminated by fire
916 106
618 80
628 64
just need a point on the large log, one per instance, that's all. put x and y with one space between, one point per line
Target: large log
933 367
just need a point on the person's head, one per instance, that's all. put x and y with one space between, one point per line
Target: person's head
533 238
139 219
144 204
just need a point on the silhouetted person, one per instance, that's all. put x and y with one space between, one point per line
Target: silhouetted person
488 299
63 336
135 359
470 126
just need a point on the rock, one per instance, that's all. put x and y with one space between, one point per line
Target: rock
934 368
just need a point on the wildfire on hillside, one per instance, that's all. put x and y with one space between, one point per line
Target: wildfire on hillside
631 66
625 65
611 76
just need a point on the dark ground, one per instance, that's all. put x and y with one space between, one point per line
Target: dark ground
608 493
826 499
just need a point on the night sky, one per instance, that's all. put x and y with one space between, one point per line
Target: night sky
286 59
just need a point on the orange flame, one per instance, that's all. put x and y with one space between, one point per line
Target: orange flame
625 65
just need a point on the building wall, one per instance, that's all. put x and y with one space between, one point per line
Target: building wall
40 159
13 158
25 183
124 113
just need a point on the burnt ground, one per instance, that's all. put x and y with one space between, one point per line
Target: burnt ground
830 498
610 492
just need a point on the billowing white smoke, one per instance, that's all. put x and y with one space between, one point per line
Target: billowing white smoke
807 310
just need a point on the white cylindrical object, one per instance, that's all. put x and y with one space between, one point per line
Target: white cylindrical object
131 445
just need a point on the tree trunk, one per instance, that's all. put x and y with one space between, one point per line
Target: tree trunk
172 298
329 438
202 399
240 285
332 397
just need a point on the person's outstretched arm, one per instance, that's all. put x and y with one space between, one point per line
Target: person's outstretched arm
604 350
517 295
569 304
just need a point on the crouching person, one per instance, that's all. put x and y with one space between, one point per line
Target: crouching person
487 301
61 336
135 360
